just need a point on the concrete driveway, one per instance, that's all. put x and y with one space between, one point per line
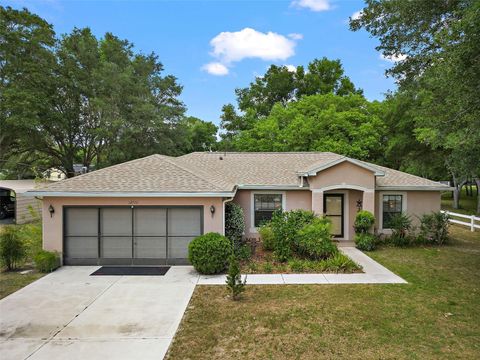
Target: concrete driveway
71 315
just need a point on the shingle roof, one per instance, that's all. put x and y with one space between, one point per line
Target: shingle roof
216 172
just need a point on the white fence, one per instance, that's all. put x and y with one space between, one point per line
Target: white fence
471 223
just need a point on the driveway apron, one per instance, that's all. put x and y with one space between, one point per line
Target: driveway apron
71 315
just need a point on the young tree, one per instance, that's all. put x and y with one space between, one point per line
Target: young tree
234 282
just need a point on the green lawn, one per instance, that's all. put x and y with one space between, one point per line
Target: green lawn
13 281
468 204
435 316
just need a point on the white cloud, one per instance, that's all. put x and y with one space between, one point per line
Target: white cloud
291 68
393 58
215 68
249 43
295 36
229 47
356 15
314 5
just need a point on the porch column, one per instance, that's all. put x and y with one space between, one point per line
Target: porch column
317 202
368 201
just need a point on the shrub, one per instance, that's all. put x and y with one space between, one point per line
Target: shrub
364 221
208 253
400 225
267 267
46 261
234 282
314 240
297 265
286 226
243 252
234 223
340 263
267 237
365 241
31 236
434 228
12 249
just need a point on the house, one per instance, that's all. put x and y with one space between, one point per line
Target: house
56 174
17 207
146 211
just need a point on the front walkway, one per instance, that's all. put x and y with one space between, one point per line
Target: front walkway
373 273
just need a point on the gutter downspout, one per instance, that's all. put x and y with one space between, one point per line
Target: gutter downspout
223 206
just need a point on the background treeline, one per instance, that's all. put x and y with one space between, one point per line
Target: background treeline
78 99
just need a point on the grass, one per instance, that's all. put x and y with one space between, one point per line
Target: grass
31 235
13 281
435 316
468 204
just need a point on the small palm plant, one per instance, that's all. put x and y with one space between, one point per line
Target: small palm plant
234 282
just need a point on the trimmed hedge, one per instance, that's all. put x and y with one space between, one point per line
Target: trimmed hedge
209 253
365 241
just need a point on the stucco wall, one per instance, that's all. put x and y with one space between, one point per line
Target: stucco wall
53 226
294 199
416 204
343 174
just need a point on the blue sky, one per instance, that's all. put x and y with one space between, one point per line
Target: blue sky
239 39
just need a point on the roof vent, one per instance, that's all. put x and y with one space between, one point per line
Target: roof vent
220 158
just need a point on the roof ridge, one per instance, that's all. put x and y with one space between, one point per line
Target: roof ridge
193 173
104 169
260 152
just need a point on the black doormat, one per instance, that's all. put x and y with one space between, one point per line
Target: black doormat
132 270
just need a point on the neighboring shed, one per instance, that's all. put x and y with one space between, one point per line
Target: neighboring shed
23 204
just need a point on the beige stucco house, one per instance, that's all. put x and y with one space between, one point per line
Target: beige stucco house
146 211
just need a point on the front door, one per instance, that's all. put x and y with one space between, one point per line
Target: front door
333 209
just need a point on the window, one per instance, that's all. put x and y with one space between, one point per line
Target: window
392 205
264 206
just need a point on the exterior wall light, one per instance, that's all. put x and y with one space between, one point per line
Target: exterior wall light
359 205
51 210
212 210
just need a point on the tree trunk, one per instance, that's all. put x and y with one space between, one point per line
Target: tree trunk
477 181
456 192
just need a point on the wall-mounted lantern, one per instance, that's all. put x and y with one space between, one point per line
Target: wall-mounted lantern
51 210
212 210
359 205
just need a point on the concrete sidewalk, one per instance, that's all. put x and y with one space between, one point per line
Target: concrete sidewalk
374 273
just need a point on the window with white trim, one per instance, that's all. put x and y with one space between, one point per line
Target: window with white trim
392 205
264 207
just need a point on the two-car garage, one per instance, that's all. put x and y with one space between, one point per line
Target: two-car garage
129 235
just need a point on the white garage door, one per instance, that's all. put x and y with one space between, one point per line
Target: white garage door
130 236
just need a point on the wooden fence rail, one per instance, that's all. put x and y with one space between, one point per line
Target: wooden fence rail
470 223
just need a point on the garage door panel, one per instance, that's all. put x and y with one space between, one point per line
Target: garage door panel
81 222
140 235
151 247
150 222
82 247
116 222
184 222
178 247
116 247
